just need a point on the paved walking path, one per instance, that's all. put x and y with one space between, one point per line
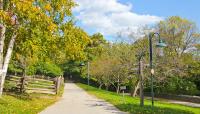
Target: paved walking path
76 101
185 103
190 104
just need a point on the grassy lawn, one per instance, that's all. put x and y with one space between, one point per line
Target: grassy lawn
25 104
11 103
15 103
131 105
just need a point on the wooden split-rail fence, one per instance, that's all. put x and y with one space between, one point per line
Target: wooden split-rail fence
36 84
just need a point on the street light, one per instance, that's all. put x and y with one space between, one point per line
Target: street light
88 75
161 45
82 64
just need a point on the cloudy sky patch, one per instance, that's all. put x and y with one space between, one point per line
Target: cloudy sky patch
110 17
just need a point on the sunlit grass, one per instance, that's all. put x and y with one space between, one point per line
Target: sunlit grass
131 105
12 103
23 104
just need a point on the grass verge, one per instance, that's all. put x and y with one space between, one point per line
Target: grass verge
131 105
11 103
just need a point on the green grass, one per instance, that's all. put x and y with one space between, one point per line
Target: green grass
131 105
13 103
25 104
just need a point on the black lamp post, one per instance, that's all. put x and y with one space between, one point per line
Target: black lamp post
81 65
88 75
160 44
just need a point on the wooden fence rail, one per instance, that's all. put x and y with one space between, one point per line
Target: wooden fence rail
36 84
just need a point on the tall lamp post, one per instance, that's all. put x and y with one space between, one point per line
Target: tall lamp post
88 71
160 44
81 65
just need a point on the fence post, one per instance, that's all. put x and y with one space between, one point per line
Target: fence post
57 84
22 85
63 80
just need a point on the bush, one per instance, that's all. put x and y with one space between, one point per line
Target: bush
31 70
13 69
48 69
10 87
177 85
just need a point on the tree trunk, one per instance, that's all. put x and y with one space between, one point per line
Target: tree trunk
22 86
2 38
118 85
9 54
6 62
136 89
141 82
100 85
107 87
131 87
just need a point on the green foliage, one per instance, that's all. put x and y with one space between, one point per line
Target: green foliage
40 68
178 86
96 46
113 66
175 71
45 32
48 69
97 40
180 35
194 68
131 105
31 70
9 86
14 69
72 67
71 44
47 37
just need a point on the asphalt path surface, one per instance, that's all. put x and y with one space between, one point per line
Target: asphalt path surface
77 101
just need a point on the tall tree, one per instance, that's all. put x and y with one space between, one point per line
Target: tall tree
181 36
28 21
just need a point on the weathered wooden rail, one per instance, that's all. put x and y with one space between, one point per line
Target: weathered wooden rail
36 84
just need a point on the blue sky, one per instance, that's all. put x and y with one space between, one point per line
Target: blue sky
189 9
111 17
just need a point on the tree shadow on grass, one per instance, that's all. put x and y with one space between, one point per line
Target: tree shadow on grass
20 96
136 109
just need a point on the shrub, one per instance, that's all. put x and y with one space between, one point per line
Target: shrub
31 70
177 85
13 69
48 69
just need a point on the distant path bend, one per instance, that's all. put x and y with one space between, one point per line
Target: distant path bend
76 101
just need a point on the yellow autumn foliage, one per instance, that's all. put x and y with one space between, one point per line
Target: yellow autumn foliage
47 7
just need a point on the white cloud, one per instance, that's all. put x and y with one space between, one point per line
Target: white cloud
110 17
